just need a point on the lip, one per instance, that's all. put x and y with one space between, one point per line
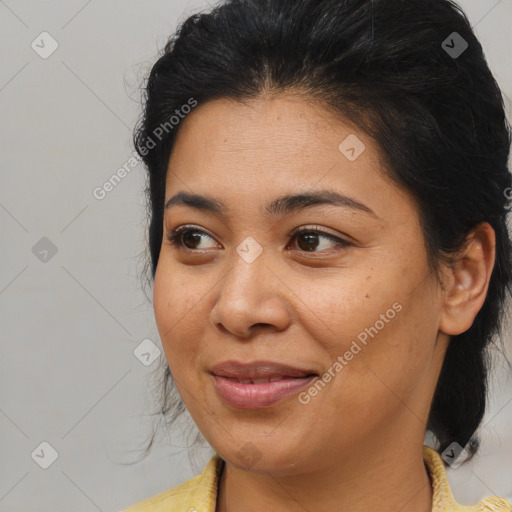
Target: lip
258 370
287 381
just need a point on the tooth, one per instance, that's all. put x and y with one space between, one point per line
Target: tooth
260 381
274 379
245 381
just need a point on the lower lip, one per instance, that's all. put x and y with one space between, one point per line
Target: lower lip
257 396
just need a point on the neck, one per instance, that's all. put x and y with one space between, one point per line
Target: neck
388 480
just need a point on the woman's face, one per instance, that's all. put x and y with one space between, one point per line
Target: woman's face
356 304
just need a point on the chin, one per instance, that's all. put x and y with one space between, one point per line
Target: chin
264 457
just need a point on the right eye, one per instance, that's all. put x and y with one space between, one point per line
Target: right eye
187 237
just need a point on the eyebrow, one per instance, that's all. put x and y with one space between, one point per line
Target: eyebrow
279 207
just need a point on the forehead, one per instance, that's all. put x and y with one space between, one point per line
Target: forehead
287 125
267 148
284 132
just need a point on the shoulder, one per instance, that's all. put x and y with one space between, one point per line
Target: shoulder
442 497
199 494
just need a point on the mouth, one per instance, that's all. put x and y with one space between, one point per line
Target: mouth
276 378
259 384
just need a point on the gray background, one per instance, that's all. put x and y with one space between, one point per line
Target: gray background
72 320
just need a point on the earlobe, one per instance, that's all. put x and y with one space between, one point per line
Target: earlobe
468 281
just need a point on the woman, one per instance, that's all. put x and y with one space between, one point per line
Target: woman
328 241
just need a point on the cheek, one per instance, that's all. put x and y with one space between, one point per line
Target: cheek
380 326
174 307
387 359
163 298
350 308
176 297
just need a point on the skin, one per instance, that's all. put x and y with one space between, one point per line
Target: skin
357 445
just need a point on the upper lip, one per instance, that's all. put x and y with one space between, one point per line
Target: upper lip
257 370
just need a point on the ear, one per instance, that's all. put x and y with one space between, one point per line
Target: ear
467 281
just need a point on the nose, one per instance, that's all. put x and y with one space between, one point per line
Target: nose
251 297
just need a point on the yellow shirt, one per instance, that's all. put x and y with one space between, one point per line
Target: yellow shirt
199 494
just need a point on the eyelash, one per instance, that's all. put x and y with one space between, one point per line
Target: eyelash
174 237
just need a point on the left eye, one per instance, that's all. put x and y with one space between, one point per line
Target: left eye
310 239
307 239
